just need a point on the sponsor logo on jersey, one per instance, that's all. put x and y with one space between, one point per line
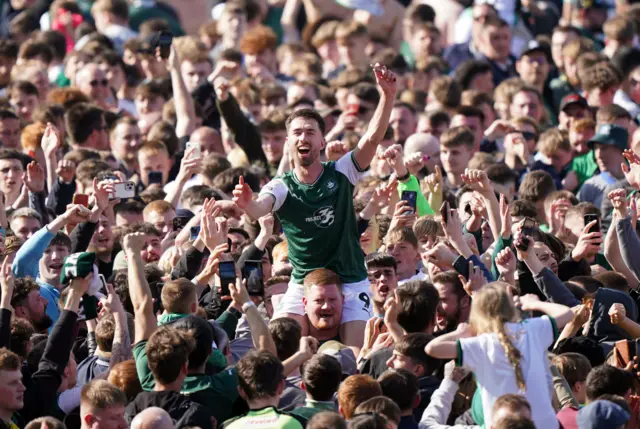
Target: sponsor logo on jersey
323 217
332 186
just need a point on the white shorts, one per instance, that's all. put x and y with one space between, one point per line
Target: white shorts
357 301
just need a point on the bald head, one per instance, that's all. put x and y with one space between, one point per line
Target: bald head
152 418
426 144
209 140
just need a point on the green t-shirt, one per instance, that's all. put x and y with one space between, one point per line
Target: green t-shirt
319 220
585 166
312 407
266 418
215 392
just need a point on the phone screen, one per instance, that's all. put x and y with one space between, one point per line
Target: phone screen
179 223
252 273
155 177
81 199
410 197
195 231
227 274
528 227
588 218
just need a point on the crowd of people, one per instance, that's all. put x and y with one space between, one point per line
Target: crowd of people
322 214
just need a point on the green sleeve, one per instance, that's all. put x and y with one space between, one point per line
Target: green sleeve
501 244
421 202
228 322
477 234
142 366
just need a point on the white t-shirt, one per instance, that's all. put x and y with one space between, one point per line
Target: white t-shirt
496 377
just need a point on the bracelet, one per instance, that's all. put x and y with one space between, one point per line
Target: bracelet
234 312
405 177
247 305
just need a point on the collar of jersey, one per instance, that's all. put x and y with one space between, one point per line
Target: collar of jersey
295 178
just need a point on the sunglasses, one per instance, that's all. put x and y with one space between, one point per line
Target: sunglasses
529 135
103 82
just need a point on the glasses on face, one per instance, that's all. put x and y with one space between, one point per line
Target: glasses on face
528 135
103 82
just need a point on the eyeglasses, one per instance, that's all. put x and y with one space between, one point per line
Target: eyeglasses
103 82
528 135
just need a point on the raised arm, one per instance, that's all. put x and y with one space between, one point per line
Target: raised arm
260 334
185 107
618 315
243 197
561 313
368 144
121 349
480 183
141 298
612 252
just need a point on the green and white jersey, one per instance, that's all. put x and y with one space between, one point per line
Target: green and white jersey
266 418
319 220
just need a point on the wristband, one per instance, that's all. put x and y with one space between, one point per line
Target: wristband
405 177
234 312
247 305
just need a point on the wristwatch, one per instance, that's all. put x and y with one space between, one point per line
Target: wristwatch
247 305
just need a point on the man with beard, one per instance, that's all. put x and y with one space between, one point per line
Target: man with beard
314 203
322 302
41 257
382 270
30 305
455 304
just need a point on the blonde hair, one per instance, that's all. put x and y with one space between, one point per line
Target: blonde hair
552 141
492 307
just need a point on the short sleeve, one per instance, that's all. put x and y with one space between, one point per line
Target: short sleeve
348 166
142 366
544 328
472 352
278 190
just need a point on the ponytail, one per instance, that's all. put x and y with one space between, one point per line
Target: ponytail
513 354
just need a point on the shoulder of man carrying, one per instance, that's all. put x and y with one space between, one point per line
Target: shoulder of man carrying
77 265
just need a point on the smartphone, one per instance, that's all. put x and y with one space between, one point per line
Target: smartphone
163 40
528 228
103 281
252 273
179 223
195 231
227 274
411 197
124 190
82 199
155 177
196 150
444 211
625 351
588 218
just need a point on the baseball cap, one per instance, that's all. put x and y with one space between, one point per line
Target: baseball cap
374 7
533 46
612 135
602 415
571 99
343 354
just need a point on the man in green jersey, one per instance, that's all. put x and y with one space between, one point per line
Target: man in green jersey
261 382
314 202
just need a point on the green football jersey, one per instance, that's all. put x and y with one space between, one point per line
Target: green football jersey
319 220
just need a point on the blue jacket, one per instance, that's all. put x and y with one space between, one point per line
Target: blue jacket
27 263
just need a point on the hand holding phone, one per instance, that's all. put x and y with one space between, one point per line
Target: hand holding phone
444 212
528 228
124 190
